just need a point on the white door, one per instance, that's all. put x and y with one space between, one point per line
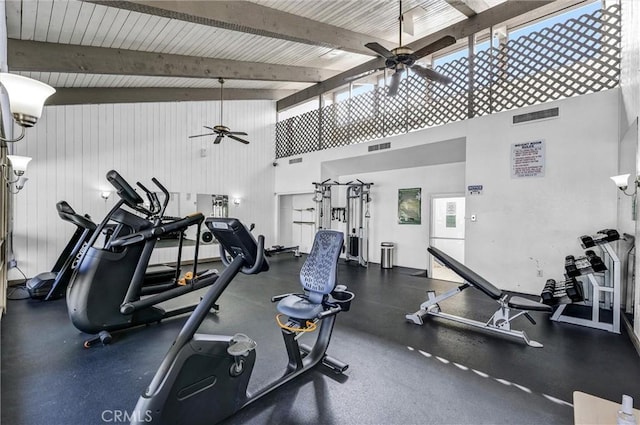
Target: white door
447 233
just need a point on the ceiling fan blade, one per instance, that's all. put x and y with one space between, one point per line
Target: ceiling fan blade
395 82
439 44
209 128
237 138
218 139
430 74
200 135
239 133
381 50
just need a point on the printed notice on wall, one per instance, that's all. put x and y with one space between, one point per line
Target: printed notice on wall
527 159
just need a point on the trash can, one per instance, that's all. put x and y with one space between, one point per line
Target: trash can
386 255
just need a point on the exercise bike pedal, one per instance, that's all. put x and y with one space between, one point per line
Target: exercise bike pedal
240 346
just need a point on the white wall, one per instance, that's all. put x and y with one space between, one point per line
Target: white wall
411 240
523 225
630 88
74 146
530 224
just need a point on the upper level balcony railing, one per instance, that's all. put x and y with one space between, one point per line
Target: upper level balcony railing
579 56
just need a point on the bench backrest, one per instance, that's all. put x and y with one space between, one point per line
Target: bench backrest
467 274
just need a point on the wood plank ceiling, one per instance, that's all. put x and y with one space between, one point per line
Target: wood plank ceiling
263 48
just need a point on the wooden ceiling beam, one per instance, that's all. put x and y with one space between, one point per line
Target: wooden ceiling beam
37 56
462 7
83 96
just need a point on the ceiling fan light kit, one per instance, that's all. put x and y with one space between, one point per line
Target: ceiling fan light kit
222 131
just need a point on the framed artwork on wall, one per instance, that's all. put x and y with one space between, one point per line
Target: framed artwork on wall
409 206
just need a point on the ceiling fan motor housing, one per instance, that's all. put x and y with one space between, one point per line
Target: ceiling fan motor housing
403 55
221 128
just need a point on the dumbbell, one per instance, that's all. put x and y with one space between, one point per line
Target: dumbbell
606 235
547 291
573 288
570 266
610 234
587 241
596 262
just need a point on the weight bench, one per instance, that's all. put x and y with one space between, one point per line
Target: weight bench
500 322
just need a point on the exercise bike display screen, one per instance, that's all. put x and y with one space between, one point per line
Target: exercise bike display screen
234 237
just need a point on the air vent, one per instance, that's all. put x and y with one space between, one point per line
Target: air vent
538 115
295 160
380 146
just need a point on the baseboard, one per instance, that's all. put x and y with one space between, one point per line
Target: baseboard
632 336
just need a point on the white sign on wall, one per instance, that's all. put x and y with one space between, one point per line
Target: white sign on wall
527 159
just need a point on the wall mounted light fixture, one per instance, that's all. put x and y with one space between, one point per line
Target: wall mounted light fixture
236 201
26 99
105 194
622 182
19 166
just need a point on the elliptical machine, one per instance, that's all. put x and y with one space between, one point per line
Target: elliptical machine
105 293
52 285
203 378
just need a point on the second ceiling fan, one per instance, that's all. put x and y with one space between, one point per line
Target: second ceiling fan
402 58
220 130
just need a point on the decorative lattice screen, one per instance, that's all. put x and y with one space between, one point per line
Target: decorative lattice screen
577 57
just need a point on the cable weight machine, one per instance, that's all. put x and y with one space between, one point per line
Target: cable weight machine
352 218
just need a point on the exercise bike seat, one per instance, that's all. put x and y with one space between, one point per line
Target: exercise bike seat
317 276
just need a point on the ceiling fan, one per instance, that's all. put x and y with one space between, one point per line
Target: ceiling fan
220 130
401 58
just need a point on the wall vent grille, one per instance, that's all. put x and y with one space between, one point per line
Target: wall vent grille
537 115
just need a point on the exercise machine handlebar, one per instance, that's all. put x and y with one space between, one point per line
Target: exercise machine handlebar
166 194
255 267
154 203
158 231
330 312
67 213
124 189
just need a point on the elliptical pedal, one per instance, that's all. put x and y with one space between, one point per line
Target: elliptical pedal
104 337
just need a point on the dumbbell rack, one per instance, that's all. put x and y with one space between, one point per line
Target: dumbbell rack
611 285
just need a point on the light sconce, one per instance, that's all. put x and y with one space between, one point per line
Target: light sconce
26 99
622 182
105 194
236 201
19 166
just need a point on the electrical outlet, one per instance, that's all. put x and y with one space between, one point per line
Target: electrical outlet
12 263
